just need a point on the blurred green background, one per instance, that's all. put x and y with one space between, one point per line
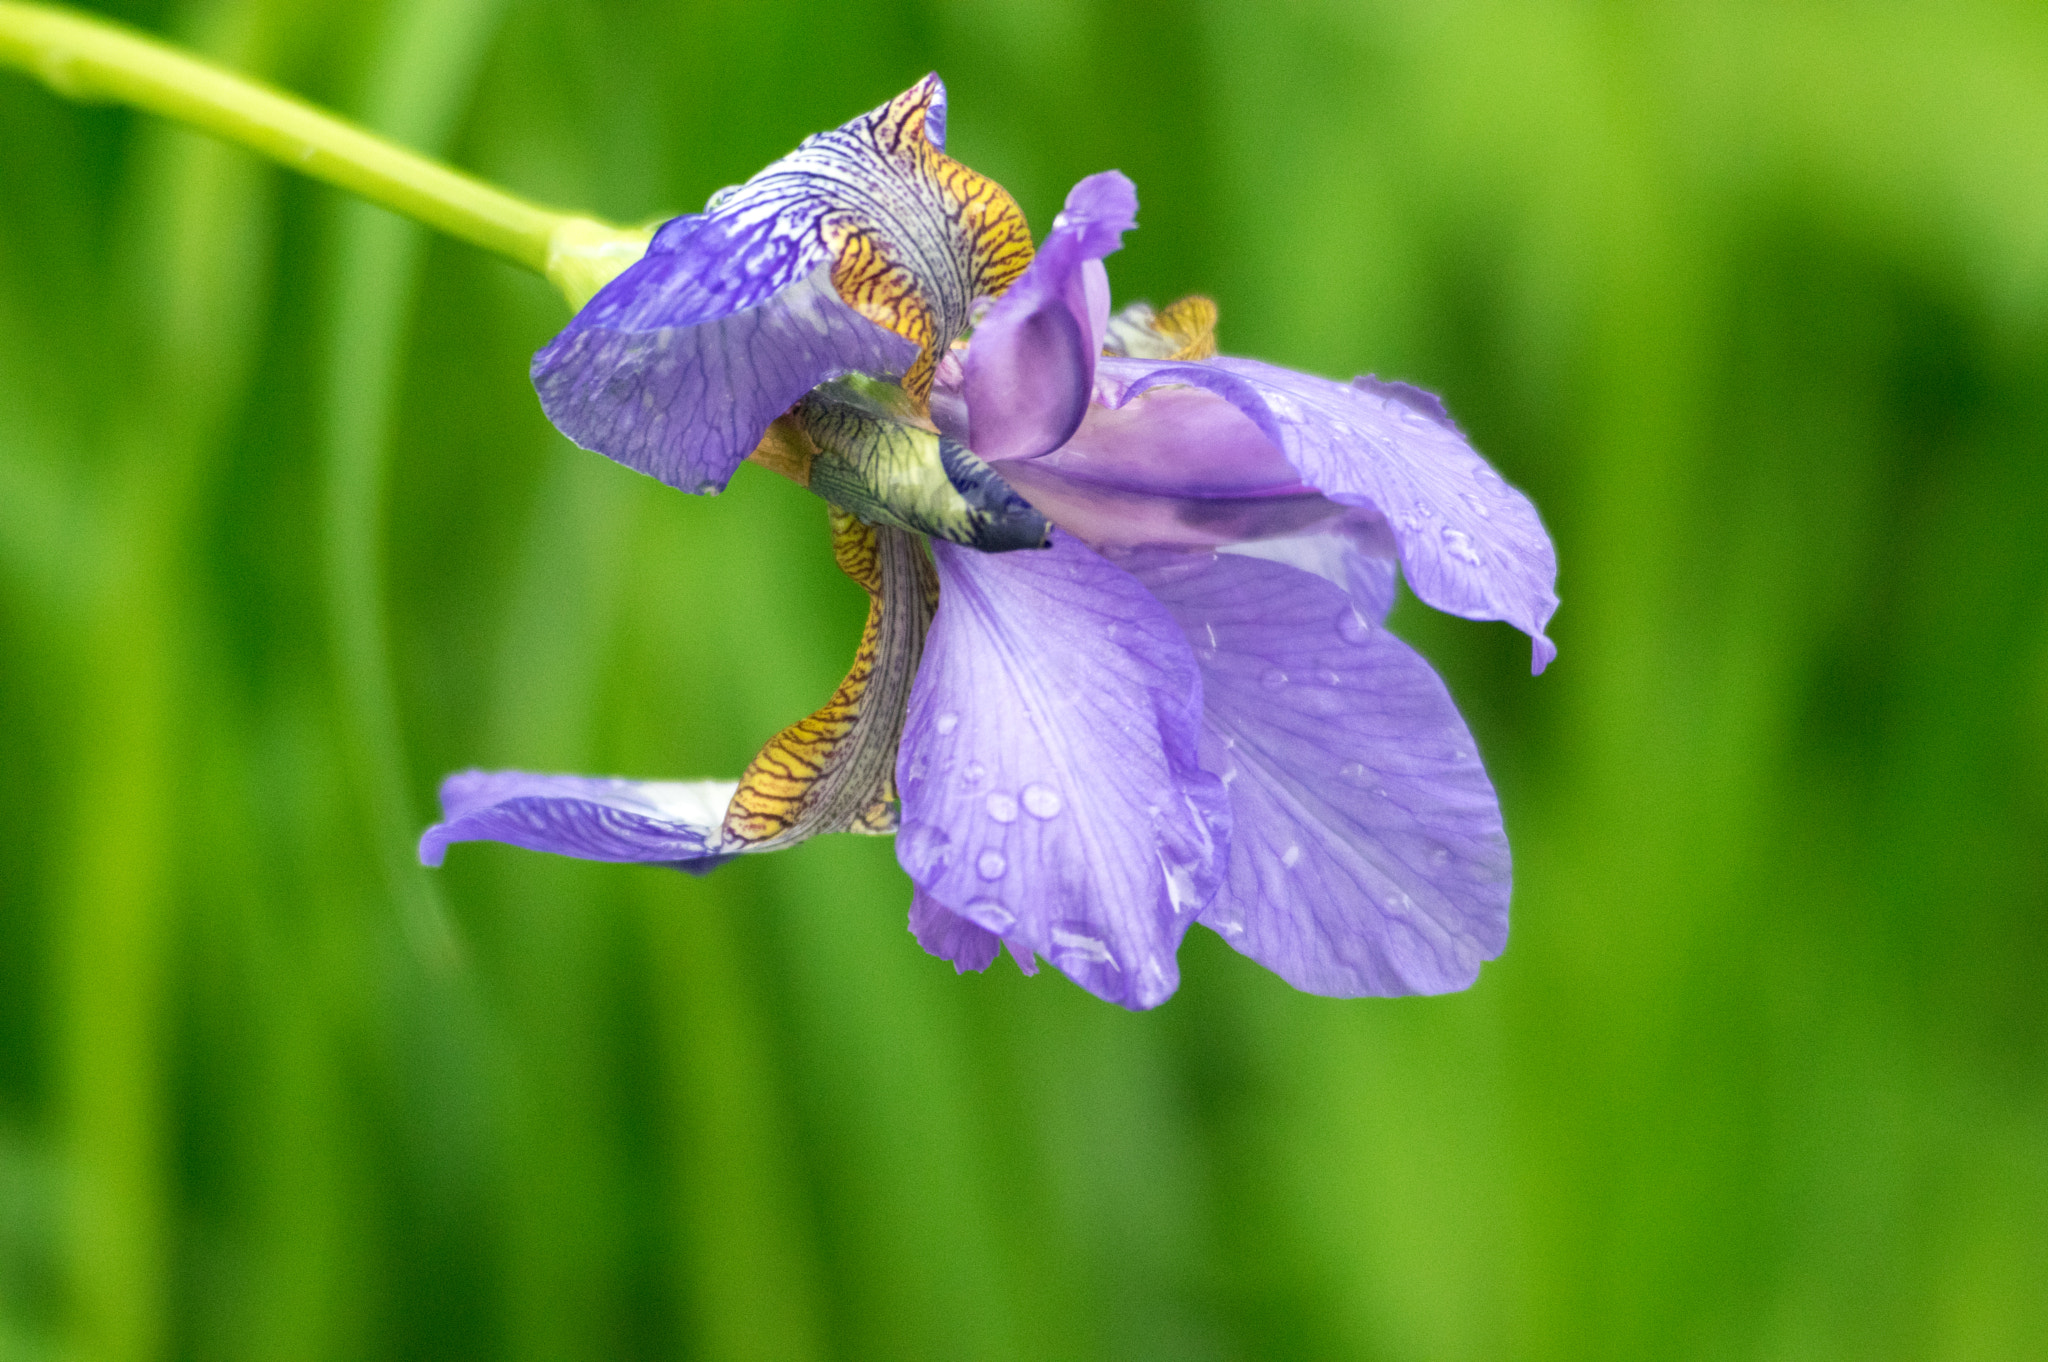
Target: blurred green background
1752 298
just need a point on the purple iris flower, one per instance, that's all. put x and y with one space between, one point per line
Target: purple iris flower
1140 677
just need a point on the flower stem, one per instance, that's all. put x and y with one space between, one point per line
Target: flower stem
93 60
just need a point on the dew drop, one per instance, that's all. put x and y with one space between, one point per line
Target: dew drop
991 915
1459 545
1042 801
1078 948
1274 679
946 723
990 865
973 772
1353 772
1437 856
1353 627
1001 807
1478 506
1291 857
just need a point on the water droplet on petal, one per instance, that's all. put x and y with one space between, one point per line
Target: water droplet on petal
1437 856
1353 627
973 772
990 865
1459 546
992 915
1042 801
1291 857
1079 949
946 723
1353 772
1478 506
1001 807
1274 679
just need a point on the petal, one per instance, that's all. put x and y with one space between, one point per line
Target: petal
949 936
1470 544
1031 365
1172 467
665 821
1051 787
1172 441
861 251
687 402
1354 553
1367 855
1109 516
834 769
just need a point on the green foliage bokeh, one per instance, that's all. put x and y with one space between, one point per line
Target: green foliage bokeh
1751 297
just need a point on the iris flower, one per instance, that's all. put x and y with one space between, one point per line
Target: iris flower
1125 667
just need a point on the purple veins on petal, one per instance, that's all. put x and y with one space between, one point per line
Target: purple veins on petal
1367 853
658 821
1051 786
687 402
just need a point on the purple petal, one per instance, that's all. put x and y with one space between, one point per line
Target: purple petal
946 934
1470 544
1367 855
1031 364
935 115
1108 516
598 820
1049 775
676 367
1172 442
687 400
1354 553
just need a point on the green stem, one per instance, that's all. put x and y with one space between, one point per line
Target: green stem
90 59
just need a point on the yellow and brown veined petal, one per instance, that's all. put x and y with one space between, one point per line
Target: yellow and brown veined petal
934 237
834 771
862 251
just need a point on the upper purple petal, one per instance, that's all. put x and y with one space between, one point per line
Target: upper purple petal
1051 786
677 366
665 821
686 402
1470 544
1367 854
1031 364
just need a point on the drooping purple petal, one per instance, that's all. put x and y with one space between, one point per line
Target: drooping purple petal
1031 364
1470 544
687 402
1367 854
1052 792
946 934
663 821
